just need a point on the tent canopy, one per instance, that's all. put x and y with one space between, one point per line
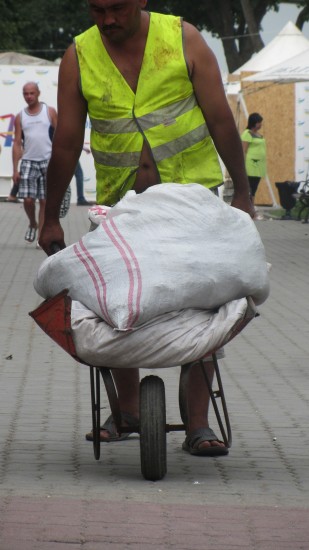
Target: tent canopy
16 58
294 69
289 42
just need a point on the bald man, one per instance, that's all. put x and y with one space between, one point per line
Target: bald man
34 127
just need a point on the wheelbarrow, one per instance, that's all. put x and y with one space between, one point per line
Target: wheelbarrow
54 317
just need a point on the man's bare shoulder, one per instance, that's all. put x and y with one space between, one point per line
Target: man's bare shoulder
198 53
189 29
194 41
52 113
69 61
52 110
69 54
69 69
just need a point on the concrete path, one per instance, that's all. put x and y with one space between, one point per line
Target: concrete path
54 495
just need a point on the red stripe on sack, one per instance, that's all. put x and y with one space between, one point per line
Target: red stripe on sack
126 260
96 276
138 270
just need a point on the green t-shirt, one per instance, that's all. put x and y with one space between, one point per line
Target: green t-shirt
256 154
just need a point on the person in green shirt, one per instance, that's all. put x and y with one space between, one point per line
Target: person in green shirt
254 147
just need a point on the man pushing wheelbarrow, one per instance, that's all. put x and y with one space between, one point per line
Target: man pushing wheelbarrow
153 92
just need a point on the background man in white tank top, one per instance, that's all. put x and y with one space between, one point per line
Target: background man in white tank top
34 127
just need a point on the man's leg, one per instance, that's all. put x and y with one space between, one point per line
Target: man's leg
27 191
29 206
79 176
127 384
198 399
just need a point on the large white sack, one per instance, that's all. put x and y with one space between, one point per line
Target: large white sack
171 339
172 247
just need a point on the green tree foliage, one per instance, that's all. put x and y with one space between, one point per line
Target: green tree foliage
9 38
45 28
236 22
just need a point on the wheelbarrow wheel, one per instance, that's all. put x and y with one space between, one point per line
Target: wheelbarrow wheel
152 428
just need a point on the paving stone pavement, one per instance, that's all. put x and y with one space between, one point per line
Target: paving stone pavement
55 495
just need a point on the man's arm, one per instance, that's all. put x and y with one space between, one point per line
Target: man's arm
53 116
17 149
67 146
210 94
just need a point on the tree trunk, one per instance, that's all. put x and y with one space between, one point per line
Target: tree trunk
303 16
253 29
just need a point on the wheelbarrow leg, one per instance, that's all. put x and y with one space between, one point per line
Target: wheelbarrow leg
95 408
226 431
96 403
182 395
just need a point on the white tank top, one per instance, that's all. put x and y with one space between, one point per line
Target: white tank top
37 134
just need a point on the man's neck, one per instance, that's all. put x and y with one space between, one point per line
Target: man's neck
33 109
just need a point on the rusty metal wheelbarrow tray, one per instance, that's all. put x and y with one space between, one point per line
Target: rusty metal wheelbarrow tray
53 316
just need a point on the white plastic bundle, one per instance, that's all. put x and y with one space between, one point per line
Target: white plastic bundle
168 340
170 248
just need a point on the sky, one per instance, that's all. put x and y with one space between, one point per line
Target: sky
272 24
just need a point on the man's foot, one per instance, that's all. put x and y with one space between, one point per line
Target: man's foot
30 234
108 432
204 442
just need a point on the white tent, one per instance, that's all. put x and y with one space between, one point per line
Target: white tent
293 69
289 42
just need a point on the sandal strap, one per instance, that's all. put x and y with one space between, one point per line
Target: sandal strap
200 435
30 234
109 424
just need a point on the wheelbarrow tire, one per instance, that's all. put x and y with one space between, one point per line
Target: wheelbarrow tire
152 428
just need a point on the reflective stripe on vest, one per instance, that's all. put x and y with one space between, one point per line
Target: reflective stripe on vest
128 125
160 153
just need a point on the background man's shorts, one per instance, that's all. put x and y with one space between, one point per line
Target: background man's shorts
33 179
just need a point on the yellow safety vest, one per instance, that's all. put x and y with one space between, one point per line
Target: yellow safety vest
163 112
